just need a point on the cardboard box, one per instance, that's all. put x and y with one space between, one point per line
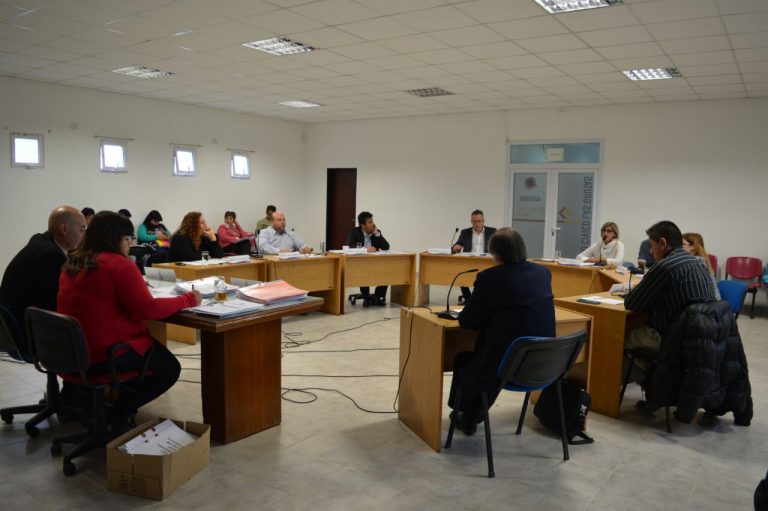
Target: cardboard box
156 477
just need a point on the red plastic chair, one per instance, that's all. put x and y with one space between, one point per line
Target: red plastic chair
749 269
713 262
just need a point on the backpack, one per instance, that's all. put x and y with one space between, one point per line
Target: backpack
576 403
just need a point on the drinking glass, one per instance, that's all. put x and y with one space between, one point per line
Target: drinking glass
220 286
359 245
557 255
206 257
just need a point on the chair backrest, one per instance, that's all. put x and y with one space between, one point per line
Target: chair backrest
535 362
57 342
743 267
12 339
713 262
733 292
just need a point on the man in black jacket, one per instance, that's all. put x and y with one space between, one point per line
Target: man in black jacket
32 276
474 239
369 236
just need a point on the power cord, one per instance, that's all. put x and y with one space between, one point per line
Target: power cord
314 397
292 343
408 356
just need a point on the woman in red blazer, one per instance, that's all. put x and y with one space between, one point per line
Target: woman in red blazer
103 289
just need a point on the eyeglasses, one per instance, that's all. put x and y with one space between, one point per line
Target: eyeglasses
607 230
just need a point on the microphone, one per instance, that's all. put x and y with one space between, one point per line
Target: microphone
448 313
600 253
450 247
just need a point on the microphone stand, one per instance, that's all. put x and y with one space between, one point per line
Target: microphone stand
448 313
450 247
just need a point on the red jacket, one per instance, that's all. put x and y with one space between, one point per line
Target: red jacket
111 302
228 235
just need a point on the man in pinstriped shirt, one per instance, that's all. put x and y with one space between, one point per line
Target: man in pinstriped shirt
676 281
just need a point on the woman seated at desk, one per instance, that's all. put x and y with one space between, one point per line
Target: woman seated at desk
608 251
102 288
192 239
152 231
232 237
509 300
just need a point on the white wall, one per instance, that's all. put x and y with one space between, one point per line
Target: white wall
71 174
699 164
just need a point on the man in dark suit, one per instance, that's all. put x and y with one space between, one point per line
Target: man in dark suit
510 300
474 239
367 235
32 276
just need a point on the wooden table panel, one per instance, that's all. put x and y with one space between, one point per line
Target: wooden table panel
396 270
255 269
319 275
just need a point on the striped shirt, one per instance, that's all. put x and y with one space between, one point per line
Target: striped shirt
672 284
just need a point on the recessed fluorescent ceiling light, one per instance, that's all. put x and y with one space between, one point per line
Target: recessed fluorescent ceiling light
664 73
142 72
429 93
558 6
279 46
300 104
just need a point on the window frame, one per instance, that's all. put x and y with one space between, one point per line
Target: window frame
247 155
185 148
116 142
40 150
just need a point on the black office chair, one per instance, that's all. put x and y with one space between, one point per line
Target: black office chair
530 364
650 358
13 342
59 347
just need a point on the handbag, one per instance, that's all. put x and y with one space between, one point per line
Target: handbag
576 403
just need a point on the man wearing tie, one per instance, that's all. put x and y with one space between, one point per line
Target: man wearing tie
474 239
369 236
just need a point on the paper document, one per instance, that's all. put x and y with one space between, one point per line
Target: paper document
603 300
209 262
237 259
159 440
573 262
471 254
356 251
275 291
289 255
205 286
444 251
233 307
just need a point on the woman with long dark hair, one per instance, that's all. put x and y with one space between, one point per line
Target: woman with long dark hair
193 238
103 289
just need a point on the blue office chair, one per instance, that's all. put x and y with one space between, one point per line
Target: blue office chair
530 364
733 292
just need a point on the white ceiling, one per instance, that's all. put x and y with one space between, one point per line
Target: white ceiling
493 54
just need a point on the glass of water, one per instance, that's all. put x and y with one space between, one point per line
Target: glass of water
359 245
557 255
206 257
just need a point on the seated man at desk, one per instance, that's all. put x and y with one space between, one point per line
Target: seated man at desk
265 222
276 239
474 239
367 235
510 300
676 281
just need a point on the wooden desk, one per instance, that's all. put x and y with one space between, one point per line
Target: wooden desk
255 269
609 323
376 269
240 368
440 269
429 344
319 275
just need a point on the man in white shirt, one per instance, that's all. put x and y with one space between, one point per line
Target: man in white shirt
276 239
474 239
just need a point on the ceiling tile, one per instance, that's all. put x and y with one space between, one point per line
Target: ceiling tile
741 6
713 80
700 59
105 37
687 28
755 77
423 72
615 36
752 55
26 61
326 38
597 19
517 61
752 22
352 68
234 9
398 6
696 44
754 67
187 17
363 51
611 77
467 36
627 51
439 18
335 12
234 32
571 56
491 50
642 62
552 81
530 27
378 28
470 66
47 53
749 40
395 62
441 56
735 87
672 10
537 72
551 43
21 34
412 44
587 67
708 70
282 22
488 11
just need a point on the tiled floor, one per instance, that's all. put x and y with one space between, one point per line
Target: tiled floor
327 454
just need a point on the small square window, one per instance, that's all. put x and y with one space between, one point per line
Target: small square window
112 155
184 161
240 165
26 150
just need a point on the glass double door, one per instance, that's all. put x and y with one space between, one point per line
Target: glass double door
553 209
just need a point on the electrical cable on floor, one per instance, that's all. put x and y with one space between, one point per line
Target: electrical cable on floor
408 356
188 381
293 343
341 375
314 397
344 351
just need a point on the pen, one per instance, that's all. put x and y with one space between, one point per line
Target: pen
193 287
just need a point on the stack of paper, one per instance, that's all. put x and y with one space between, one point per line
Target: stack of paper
356 251
205 286
233 307
160 440
211 262
573 262
444 251
271 292
289 255
237 259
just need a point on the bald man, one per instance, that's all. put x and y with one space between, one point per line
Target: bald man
276 239
32 277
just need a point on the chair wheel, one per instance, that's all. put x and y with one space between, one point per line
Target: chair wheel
55 449
7 417
32 431
69 468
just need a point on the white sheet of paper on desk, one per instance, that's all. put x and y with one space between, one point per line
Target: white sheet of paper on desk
232 307
209 262
289 255
618 288
204 286
442 251
159 440
604 300
573 262
237 259
471 254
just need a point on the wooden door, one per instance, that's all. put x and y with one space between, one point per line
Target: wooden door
340 206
